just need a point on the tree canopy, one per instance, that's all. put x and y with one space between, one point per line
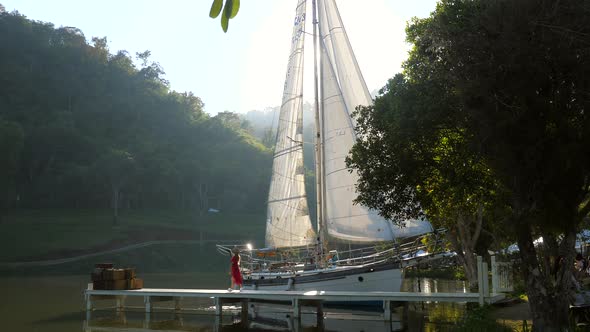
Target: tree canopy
490 115
77 121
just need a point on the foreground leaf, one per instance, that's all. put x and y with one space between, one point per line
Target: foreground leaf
224 21
215 8
235 8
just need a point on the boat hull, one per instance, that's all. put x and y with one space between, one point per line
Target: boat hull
369 278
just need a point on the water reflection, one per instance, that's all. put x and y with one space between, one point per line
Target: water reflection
56 303
263 318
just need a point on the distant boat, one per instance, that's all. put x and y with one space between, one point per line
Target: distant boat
353 248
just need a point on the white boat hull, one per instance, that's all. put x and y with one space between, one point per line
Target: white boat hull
360 279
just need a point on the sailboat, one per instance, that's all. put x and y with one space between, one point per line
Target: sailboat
352 248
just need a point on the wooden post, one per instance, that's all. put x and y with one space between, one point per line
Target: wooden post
88 307
244 316
148 311
88 302
405 315
218 306
486 284
296 308
320 314
148 304
120 303
386 310
218 322
480 280
494 275
177 304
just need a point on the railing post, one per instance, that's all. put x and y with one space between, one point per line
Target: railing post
148 304
177 303
296 308
88 306
480 280
218 306
486 283
244 313
88 302
387 310
494 275
121 303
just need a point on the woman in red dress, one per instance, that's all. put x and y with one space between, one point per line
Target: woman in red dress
236 275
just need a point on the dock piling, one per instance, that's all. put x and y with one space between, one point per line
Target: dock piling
387 310
296 308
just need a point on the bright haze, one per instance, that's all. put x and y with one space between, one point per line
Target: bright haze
243 69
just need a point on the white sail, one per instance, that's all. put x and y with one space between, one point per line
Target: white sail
342 89
288 223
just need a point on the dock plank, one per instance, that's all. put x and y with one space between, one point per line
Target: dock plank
300 295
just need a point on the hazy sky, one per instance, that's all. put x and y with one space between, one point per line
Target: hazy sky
242 69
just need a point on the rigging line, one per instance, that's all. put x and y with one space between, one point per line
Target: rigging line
340 187
291 99
285 231
288 177
303 209
335 129
295 52
281 119
334 96
275 199
355 215
334 28
287 151
294 141
287 199
336 158
332 137
336 171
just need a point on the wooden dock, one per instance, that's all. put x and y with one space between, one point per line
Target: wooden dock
295 298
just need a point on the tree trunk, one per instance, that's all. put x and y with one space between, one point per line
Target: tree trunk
465 239
549 296
466 259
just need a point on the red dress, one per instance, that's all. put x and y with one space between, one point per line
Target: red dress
235 271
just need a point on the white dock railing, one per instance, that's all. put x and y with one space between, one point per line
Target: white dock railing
501 276
295 298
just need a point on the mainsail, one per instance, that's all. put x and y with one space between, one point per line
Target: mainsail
288 223
342 89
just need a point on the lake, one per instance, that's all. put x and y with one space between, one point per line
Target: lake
55 302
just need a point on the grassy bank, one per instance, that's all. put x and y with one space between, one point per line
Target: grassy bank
38 234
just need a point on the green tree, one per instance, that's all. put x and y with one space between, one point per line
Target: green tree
409 165
77 104
117 167
516 75
11 144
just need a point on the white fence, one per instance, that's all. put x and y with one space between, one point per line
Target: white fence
501 276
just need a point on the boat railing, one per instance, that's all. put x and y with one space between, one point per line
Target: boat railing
310 257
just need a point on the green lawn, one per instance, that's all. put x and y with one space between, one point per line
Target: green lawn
31 233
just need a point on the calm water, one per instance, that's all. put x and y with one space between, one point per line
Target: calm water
56 303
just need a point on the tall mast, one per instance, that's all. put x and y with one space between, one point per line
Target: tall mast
318 129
